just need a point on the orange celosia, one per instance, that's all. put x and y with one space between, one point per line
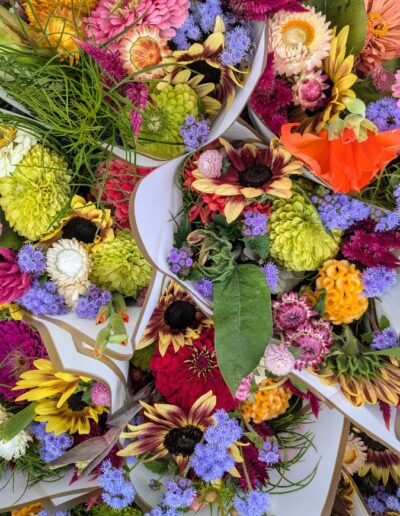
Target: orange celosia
28 510
270 401
346 164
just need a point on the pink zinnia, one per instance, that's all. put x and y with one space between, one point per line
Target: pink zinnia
166 15
13 282
262 9
396 87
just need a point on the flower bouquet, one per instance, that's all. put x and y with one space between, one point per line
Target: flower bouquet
160 70
330 88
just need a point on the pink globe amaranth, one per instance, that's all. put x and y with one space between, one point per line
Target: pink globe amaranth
382 79
243 391
100 394
166 15
13 282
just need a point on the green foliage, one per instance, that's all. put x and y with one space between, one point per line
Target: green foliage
320 304
243 322
364 89
183 230
141 357
157 466
8 238
260 244
18 422
384 323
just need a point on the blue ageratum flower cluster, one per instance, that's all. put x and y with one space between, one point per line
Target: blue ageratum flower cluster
178 495
255 223
238 44
385 220
205 287
270 452
255 503
271 274
384 113
52 446
211 460
378 280
43 299
117 491
338 211
180 261
381 501
89 304
58 513
31 259
194 134
385 339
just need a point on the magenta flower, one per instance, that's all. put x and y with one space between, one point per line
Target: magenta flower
261 9
13 282
291 311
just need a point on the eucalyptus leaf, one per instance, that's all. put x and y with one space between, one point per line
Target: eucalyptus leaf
243 322
18 422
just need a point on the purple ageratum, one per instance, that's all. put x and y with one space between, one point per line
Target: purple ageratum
255 223
225 432
179 495
385 339
194 134
180 261
237 46
211 462
43 299
338 211
384 113
205 287
386 220
393 503
270 452
118 492
271 274
89 304
31 260
189 31
163 511
64 512
378 280
52 446
374 505
256 503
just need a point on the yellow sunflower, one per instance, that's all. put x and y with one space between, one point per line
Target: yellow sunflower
176 320
338 67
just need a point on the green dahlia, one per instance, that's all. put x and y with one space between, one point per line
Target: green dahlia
118 265
35 193
298 238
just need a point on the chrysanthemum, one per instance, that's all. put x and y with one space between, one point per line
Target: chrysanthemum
14 144
383 34
254 172
300 41
355 454
380 462
176 320
170 430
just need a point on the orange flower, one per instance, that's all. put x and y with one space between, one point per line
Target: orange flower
346 164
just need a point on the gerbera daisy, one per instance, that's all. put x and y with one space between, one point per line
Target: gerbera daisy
300 41
383 34
176 320
338 68
204 59
355 454
171 430
254 172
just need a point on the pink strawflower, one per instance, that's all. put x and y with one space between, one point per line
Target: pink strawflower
261 9
13 282
291 311
382 79
278 359
209 163
396 87
20 346
243 391
312 341
309 89
116 182
100 394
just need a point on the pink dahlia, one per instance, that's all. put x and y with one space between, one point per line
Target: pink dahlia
312 341
116 182
278 359
165 15
396 87
261 9
20 346
291 311
13 282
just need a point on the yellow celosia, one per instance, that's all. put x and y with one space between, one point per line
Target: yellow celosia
268 404
344 300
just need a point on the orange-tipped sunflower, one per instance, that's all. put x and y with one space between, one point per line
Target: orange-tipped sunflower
176 320
254 172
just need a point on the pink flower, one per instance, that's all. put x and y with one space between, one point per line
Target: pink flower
313 340
309 90
382 79
100 394
291 311
13 282
278 359
396 87
261 9
243 391
210 163
166 15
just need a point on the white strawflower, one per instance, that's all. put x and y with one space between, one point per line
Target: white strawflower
14 144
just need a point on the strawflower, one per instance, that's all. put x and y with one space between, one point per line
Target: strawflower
291 311
378 280
382 80
14 144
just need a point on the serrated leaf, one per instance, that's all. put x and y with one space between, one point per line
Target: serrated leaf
367 338
18 422
320 304
384 323
157 466
8 237
141 357
243 322
260 244
342 364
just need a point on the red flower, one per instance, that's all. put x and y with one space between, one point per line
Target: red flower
372 249
184 376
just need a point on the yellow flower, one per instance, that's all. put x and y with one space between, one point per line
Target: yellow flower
15 311
28 510
270 401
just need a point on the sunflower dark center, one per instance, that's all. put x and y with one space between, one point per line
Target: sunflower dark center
76 403
82 229
180 315
255 176
210 73
182 441
370 443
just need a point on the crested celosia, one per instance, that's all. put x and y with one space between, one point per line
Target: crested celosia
269 402
13 282
261 9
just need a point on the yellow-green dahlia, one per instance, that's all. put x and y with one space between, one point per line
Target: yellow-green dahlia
35 193
118 265
298 238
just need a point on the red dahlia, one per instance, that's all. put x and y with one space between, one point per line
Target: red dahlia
184 376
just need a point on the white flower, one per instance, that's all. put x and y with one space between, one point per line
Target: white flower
278 359
14 144
300 41
355 454
16 447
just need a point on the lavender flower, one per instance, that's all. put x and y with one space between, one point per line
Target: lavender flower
393 503
225 432
270 453
189 31
237 47
378 280
385 339
271 273
255 223
384 113
375 505
210 462
207 14
58 513
43 299
194 134
163 511
256 503
180 260
31 259
338 211
89 304
54 446
206 288
386 220
179 495
118 492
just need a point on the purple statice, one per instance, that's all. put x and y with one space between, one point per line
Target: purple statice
43 299
179 495
211 462
255 223
374 505
256 503
271 274
237 46
31 259
109 62
117 491
89 305
270 452
384 339
194 134
339 211
225 432
378 280
205 287
180 261
384 113
386 220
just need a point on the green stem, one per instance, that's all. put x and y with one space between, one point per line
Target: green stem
352 347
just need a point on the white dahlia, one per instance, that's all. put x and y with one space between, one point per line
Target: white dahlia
300 41
14 144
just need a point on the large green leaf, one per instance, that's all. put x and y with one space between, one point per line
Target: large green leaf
19 421
243 322
8 238
346 12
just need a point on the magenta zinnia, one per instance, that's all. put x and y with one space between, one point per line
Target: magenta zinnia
20 346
